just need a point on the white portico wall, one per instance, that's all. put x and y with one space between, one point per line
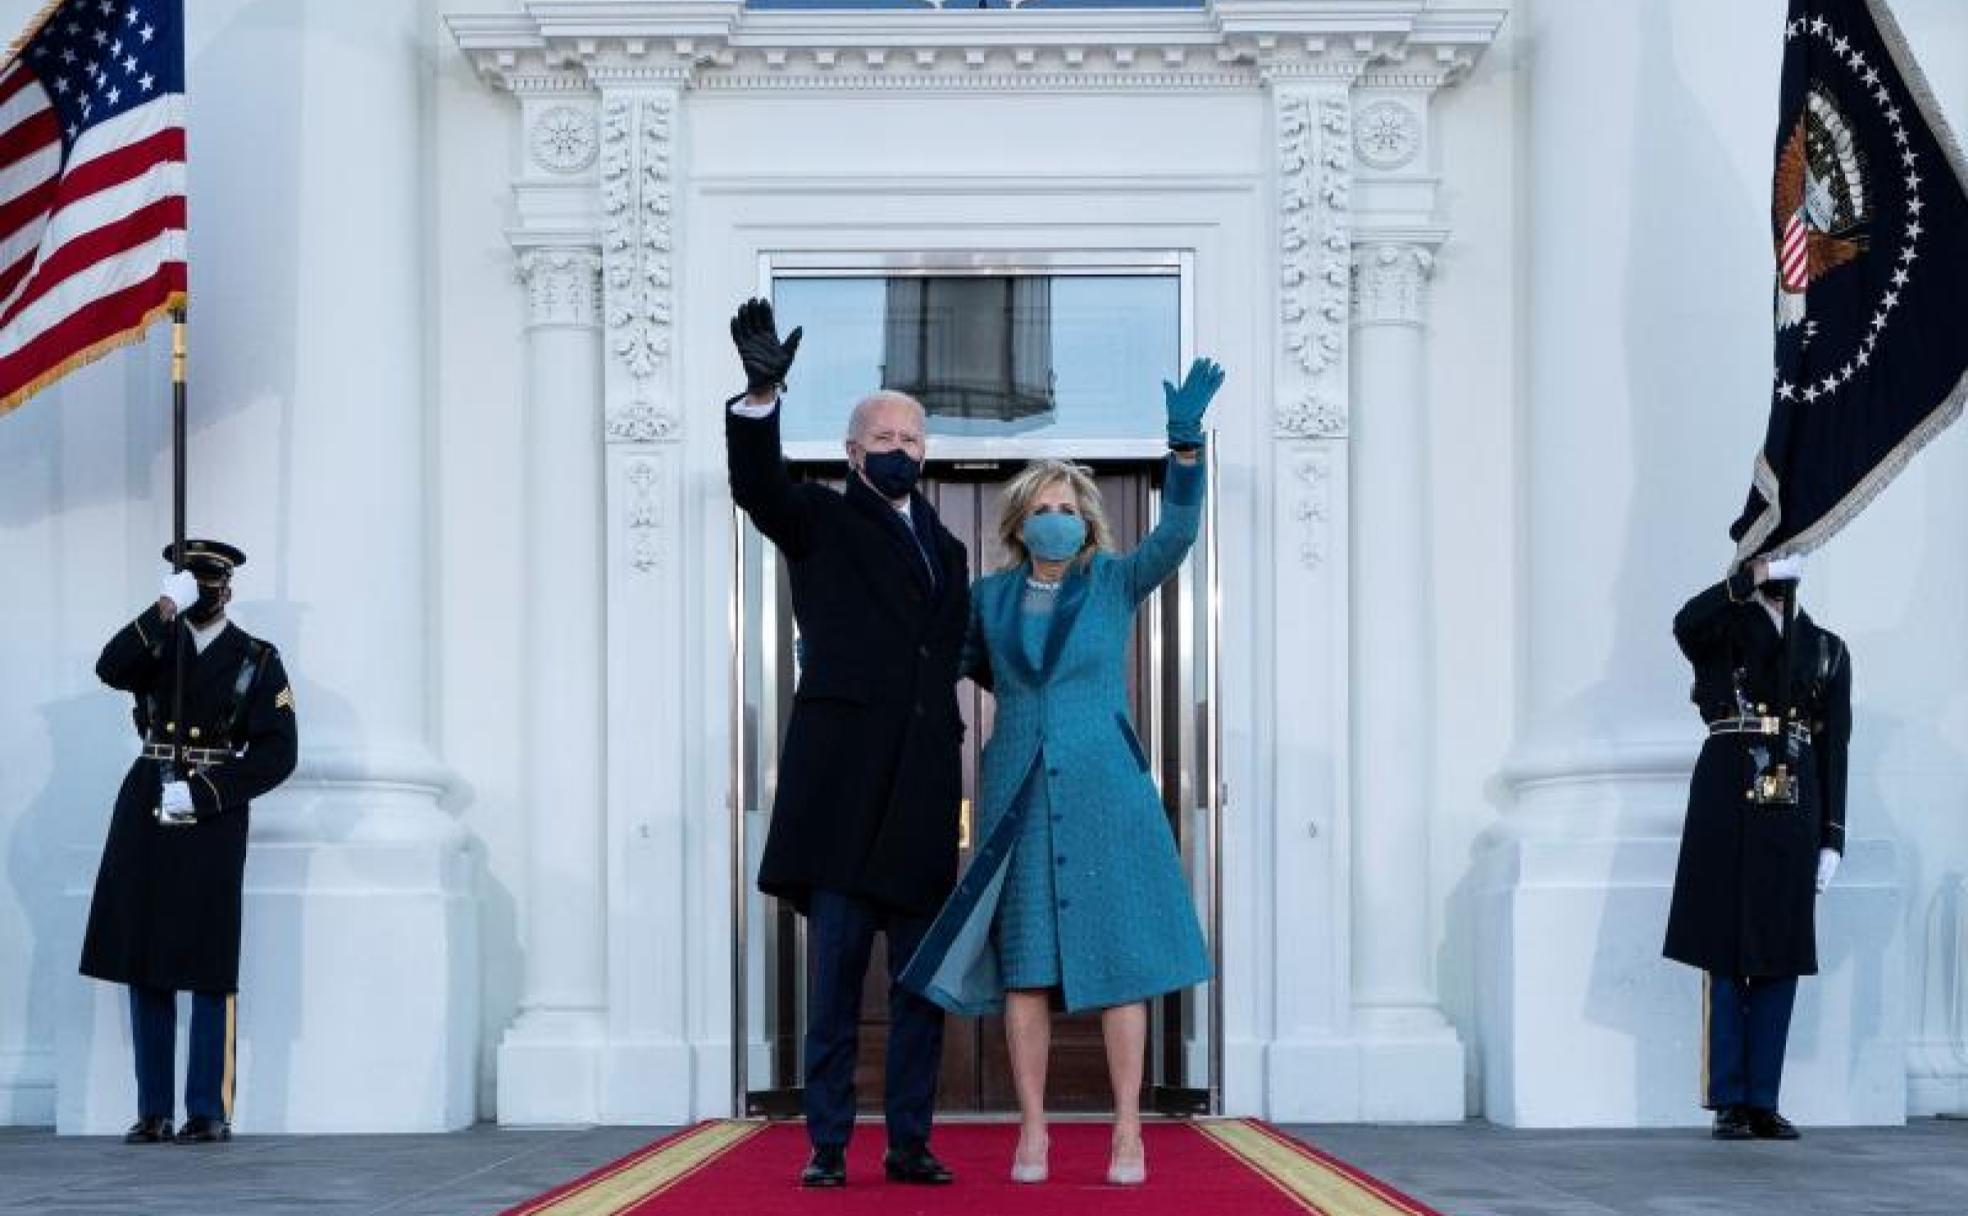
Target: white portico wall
359 963
1648 144
687 141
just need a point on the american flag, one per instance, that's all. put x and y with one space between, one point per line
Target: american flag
92 185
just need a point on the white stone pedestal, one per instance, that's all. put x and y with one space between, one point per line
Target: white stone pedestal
1586 1025
1385 1074
358 1006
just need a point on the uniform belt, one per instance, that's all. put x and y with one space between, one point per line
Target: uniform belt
203 757
1768 724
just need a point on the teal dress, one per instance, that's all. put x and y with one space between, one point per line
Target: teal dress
1076 884
1026 932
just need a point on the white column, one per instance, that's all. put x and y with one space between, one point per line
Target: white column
1414 1060
1648 378
548 1060
358 982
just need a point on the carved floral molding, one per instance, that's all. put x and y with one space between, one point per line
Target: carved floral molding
637 246
1313 193
1311 507
643 515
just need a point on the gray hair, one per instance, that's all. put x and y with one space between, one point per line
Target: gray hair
857 422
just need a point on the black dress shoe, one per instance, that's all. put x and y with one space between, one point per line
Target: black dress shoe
915 1165
827 1168
1732 1123
204 1129
1769 1125
149 1130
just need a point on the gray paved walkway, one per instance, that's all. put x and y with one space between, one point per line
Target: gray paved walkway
1470 1170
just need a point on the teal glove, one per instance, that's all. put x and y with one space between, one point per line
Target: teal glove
1187 404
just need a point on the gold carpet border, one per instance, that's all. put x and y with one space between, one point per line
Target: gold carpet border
648 1173
1301 1176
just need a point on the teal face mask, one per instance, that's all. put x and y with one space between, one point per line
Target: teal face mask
1053 536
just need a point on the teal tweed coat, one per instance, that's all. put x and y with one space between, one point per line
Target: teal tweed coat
1127 927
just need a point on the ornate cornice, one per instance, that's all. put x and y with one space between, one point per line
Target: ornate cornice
720 44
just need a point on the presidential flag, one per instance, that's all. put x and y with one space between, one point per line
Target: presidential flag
92 185
1869 231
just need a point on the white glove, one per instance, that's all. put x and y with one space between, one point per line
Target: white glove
180 588
1791 568
1827 866
174 806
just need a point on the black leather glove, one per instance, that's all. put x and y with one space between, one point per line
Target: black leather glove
765 357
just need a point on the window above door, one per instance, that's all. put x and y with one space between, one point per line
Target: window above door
968 4
1015 350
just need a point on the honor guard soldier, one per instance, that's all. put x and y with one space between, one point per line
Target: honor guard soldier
165 917
1765 828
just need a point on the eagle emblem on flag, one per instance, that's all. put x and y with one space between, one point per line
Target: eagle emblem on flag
1869 227
1819 199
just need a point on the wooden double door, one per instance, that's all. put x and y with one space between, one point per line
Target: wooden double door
976 1075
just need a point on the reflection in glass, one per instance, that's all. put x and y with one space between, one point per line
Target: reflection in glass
968 4
1058 356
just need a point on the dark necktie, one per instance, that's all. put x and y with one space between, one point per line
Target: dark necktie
908 522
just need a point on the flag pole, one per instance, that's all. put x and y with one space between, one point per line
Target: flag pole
178 534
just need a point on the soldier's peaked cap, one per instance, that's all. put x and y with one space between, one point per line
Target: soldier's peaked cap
213 558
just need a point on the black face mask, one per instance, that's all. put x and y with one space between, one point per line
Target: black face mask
210 602
892 473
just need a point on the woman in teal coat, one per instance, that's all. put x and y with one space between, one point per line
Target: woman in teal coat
1076 897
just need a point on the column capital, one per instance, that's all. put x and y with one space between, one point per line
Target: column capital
1390 279
563 287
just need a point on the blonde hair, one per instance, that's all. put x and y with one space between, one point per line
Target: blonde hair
1036 478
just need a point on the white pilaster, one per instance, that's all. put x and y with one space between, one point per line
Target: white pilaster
655 754
1312 1070
549 1060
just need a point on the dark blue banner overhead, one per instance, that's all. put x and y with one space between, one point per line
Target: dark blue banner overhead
1869 229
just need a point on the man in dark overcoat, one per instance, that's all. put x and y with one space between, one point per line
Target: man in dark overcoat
1765 828
166 912
864 822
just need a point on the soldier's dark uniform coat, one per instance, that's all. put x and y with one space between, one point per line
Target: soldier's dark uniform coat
869 777
1745 894
167 899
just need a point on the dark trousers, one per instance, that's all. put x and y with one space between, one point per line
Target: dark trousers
840 937
208 1074
1748 1027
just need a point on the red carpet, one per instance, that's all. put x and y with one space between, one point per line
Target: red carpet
1237 1167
